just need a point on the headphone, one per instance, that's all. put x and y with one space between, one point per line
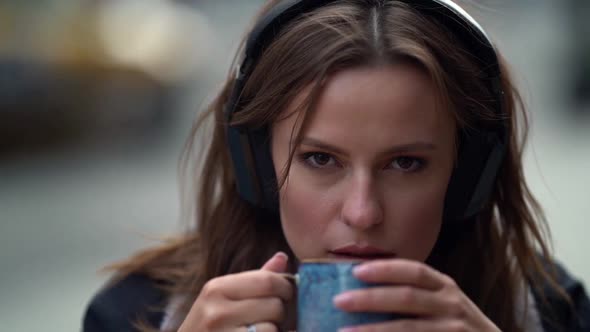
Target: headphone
480 152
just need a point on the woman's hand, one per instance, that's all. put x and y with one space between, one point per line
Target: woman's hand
233 302
417 290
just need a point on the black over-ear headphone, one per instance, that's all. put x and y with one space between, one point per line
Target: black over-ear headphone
480 153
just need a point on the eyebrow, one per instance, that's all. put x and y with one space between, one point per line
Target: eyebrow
408 147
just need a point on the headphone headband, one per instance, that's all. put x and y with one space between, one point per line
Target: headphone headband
451 15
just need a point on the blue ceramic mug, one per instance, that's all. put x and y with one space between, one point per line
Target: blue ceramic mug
318 281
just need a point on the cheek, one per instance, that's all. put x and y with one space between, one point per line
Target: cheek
304 218
419 223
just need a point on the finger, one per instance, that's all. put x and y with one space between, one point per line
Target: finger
277 263
261 327
245 312
414 325
396 299
401 271
252 284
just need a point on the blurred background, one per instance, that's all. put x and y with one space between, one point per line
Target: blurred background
97 98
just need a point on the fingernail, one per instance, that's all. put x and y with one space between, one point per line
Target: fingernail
361 270
283 255
347 329
342 299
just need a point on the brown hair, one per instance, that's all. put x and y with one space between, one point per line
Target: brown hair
500 245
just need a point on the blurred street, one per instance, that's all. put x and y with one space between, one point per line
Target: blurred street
69 209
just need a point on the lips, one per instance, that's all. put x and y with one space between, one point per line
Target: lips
361 252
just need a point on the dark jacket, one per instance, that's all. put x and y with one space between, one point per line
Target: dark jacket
117 308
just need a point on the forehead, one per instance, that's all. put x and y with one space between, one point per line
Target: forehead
394 102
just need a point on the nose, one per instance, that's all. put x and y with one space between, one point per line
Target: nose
361 206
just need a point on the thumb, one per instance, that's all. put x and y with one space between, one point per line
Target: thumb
277 263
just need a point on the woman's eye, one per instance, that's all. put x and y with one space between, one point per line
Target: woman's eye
407 164
318 159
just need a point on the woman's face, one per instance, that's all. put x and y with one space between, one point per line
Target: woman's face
370 176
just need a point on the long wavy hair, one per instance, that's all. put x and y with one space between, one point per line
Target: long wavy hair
504 246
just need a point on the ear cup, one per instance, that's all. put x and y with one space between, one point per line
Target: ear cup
479 159
267 179
242 161
256 181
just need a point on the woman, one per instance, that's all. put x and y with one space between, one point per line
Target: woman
388 131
